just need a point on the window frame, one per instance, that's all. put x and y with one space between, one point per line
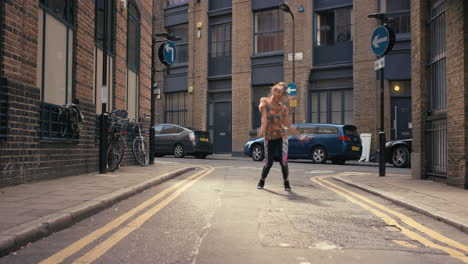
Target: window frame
279 31
256 115
172 104
69 21
130 17
110 47
226 32
178 43
328 111
333 27
437 52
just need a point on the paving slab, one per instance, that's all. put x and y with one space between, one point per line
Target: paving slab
34 210
435 199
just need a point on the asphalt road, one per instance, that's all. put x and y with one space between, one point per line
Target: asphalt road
215 214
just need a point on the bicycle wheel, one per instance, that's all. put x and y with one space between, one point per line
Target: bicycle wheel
141 151
115 153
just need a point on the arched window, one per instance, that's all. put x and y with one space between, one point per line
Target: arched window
133 59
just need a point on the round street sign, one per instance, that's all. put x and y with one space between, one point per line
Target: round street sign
167 53
291 90
382 40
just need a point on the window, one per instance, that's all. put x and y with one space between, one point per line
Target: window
133 37
268 31
181 45
170 129
332 106
258 92
133 59
308 130
175 108
220 40
326 130
437 71
99 34
158 129
60 9
398 13
175 2
333 26
55 46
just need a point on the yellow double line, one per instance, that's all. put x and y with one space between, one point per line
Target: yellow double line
107 244
456 249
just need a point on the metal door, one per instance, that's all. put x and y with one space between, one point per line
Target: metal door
220 126
401 120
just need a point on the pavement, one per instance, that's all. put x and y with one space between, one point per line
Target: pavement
35 210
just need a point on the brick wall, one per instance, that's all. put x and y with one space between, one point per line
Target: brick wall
457 103
242 49
366 88
19 45
419 16
24 156
457 94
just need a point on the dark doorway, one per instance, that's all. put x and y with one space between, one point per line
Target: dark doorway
220 126
401 120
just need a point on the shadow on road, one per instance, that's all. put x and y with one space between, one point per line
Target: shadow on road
294 197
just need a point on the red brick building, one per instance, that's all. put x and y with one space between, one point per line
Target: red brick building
439 43
235 50
51 54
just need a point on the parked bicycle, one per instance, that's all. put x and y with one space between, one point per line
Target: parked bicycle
116 140
139 146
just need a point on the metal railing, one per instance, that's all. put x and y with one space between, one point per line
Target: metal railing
436 164
56 123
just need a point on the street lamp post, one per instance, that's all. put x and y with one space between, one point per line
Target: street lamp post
285 8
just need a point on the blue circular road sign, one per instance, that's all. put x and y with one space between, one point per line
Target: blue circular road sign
382 40
167 53
291 89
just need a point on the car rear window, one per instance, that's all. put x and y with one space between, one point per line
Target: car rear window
350 131
308 130
327 130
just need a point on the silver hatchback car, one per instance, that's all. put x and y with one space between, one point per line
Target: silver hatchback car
181 141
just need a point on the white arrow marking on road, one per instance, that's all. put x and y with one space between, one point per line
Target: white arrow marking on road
378 40
289 90
171 50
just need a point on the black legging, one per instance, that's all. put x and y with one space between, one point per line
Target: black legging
278 147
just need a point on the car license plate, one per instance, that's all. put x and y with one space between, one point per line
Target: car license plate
355 148
204 139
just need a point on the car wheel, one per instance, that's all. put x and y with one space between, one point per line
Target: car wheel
319 155
400 157
178 151
257 153
339 161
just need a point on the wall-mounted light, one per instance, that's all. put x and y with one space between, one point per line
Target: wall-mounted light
396 88
190 89
123 5
199 28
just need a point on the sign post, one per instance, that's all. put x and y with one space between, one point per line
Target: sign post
382 42
291 90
